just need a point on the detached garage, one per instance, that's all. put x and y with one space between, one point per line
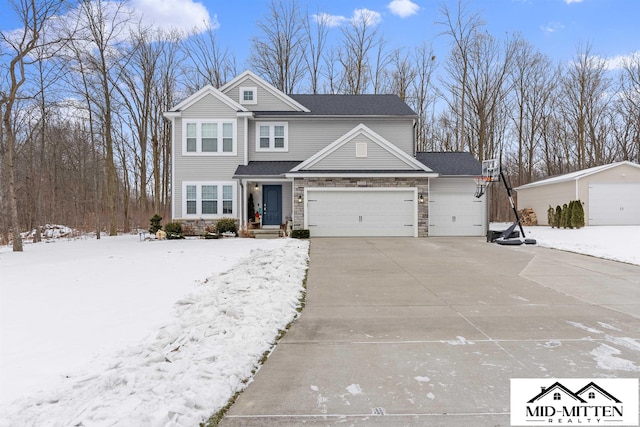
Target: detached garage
610 194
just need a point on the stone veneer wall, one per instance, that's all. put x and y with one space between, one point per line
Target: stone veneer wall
422 185
196 227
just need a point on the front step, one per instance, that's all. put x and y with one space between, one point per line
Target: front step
266 233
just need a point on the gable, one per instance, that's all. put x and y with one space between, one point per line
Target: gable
268 98
206 97
361 149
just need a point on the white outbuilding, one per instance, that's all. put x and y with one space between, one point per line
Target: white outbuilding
610 194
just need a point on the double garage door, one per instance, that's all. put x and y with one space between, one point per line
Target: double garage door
374 212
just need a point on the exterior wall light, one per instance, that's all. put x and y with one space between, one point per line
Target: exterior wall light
420 198
256 187
300 198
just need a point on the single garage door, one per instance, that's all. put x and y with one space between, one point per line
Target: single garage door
614 204
453 208
360 212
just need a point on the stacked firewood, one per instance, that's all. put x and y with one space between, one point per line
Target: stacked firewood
528 217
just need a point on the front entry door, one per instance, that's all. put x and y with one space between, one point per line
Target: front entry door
271 204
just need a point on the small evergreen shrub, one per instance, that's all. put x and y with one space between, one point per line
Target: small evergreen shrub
557 219
227 225
173 230
564 216
577 214
551 217
154 224
300 234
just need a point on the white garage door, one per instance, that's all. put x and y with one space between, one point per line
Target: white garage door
453 208
614 204
371 212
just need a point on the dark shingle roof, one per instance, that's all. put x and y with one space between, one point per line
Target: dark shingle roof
451 163
276 168
349 105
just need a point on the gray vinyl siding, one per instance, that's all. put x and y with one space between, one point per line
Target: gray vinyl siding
308 136
266 100
214 168
345 158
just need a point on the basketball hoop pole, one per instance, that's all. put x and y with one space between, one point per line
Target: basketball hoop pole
513 206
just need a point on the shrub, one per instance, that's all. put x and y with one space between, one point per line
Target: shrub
300 234
557 219
210 232
551 216
577 214
173 230
564 216
155 224
227 225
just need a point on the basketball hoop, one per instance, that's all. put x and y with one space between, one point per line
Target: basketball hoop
481 183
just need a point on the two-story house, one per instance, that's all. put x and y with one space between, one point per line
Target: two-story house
338 165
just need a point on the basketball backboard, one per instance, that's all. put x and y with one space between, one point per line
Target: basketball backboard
491 170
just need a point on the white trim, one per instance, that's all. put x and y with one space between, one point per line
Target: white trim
207 90
266 86
246 141
220 138
361 129
414 191
361 175
576 175
272 147
220 200
173 168
254 95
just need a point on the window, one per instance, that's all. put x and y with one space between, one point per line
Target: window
272 137
592 395
209 199
248 95
209 137
556 396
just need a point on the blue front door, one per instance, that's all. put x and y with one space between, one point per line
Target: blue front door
271 204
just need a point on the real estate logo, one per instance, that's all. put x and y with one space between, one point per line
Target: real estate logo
574 401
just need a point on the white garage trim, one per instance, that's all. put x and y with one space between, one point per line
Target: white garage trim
453 208
367 212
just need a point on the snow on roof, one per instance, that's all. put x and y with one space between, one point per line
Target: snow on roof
574 176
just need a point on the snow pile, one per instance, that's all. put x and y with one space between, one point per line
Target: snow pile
50 231
193 365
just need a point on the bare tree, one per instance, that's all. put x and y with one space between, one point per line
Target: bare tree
462 27
316 44
422 94
102 39
278 54
210 64
34 17
628 106
533 81
360 37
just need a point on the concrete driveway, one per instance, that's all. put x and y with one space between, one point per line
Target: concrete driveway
414 332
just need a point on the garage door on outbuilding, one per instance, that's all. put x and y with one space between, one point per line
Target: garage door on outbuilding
374 212
610 194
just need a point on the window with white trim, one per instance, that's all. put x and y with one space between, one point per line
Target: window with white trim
248 95
209 137
272 137
209 199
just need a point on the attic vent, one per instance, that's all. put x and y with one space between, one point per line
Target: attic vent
361 149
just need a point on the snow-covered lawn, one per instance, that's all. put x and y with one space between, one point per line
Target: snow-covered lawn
614 243
163 333
139 333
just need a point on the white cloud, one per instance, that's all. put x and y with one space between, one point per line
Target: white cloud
183 15
552 27
617 62
403 8
329 20
370 17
